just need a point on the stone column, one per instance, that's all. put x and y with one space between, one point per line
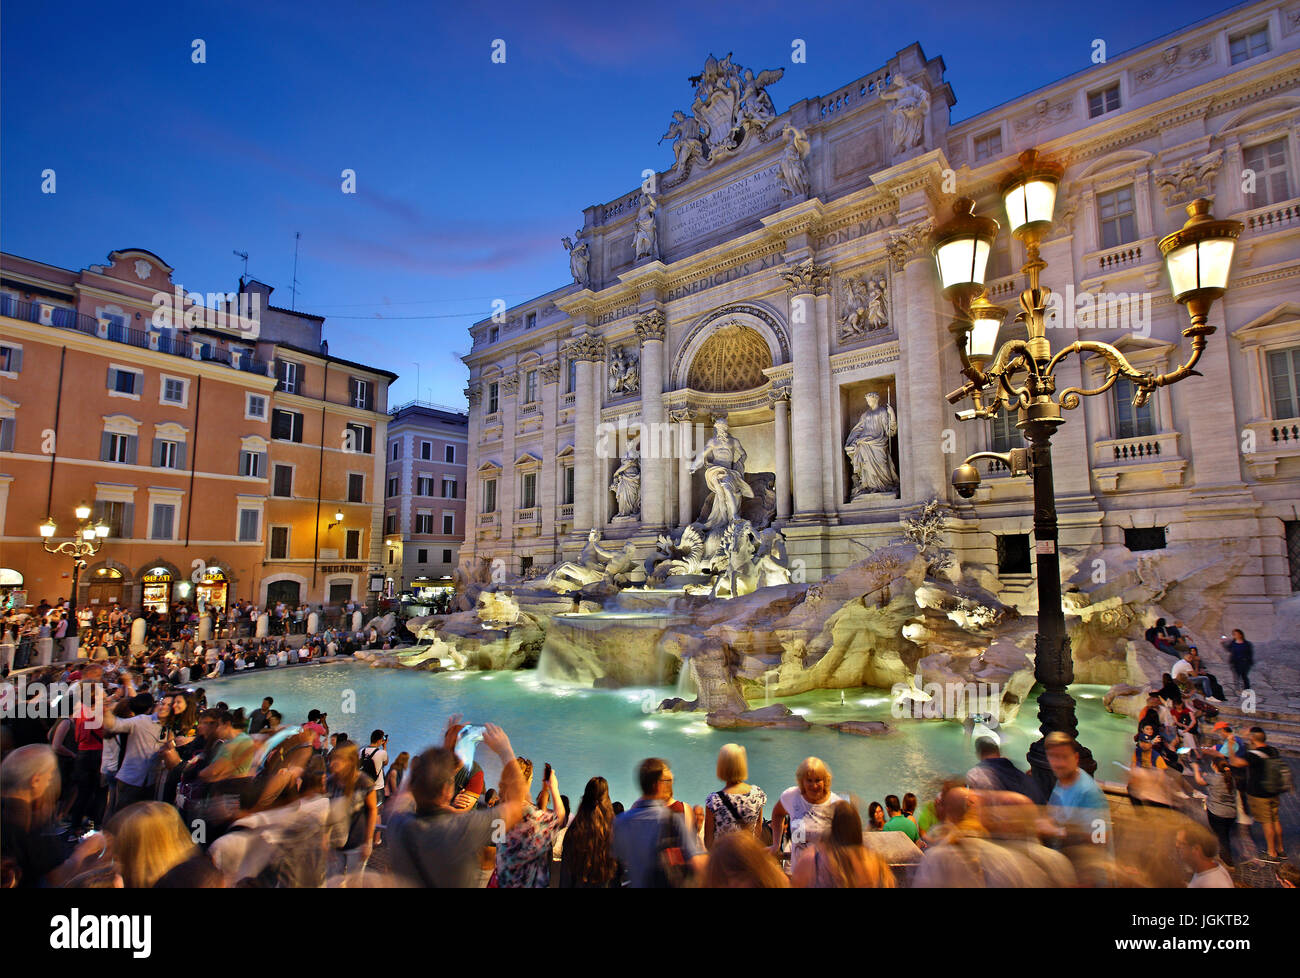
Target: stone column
685 447
548 488
804 282
654 481
508 491
585 350
920 343
780 398
473 484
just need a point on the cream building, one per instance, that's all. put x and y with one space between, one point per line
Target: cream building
780 270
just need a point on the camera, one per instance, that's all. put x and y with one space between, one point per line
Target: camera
966 479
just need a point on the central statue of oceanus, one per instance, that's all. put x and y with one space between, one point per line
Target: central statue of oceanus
723 461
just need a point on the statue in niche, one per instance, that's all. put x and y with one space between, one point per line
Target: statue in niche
626 484
868 449
579 258
645 243
587 569
723 461
911 106
863 306
794 171
624 372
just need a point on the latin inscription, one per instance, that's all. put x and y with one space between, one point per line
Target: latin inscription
756 193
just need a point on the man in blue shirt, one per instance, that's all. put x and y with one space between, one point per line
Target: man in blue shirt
650 828
1077 806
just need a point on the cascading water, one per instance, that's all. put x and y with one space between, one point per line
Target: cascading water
688 687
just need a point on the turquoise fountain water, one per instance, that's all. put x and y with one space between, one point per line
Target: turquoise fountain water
584 732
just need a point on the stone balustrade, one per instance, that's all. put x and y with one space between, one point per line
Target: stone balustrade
1269 442
1149 461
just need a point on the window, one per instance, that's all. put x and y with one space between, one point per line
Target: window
531 321
286 425
1272 179
1013 554
252 464
426 451
249 522
448 524
341 592
173 390
528 496
424 485
352 545
392 487
282 482
530 393
361 393
1292 529
397 451
1144 537
1284 382
6 434
164 515
988 146
448 488
494 334
571 378
115 447
390 523
449 454
1103 100
1004 435
356 487
422 556
568 485
1131 422
279 543
1117 217
424 522
255 407
11 359
358 438
490 495
446 556
525 564
288 376
494 398
168 454
1248 44
392 556
117 515
123 382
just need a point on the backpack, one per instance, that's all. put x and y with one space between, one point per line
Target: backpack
367 763
1275 777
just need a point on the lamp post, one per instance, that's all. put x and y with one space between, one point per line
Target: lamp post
86 542
1197 256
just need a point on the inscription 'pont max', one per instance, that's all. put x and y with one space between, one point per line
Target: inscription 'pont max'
753 194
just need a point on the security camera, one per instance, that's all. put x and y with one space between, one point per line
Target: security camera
966 479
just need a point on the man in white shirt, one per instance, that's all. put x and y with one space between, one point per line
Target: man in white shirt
1185 671
1199 848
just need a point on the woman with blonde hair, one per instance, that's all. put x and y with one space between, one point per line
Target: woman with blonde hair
149 839
808 805
738 861
840 860
738 807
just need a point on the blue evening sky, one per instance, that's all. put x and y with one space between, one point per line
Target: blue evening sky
468 172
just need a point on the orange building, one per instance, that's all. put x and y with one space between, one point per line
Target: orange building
211 433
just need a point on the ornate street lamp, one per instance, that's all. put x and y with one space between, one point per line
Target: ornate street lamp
1021 374
86 542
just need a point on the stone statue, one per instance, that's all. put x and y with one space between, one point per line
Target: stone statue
911 106
868 449
626 485
794 171
688 134
723 461
645 243
755 104
863 308
587 569
579 259
772 560
624 569
624 372
877 311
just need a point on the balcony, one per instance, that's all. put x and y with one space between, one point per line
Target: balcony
1107 263
487 519
1141 462
566 511
529 514
1274 217
1271 441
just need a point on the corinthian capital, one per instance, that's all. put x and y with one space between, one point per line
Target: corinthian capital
474 394
650 326
509 384
909 243
551 373
806 278
587 347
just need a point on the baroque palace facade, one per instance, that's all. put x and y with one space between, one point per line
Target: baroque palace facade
779 273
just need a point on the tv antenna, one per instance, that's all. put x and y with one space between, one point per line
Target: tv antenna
293 301
243 255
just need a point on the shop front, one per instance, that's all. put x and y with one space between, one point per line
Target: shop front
158 586
212 589
12 593
105 587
